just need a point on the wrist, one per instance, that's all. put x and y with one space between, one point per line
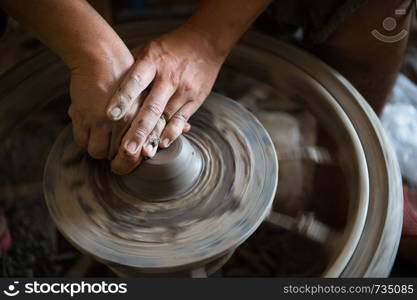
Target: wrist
222 23
207 43
102 55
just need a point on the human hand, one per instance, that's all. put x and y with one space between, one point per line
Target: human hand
179 70
181 66
93 82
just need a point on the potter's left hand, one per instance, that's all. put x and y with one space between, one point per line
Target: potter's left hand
177 71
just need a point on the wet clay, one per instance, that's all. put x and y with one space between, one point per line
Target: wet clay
173 171
191 204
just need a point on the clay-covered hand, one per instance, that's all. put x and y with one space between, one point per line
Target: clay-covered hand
177 71
92 86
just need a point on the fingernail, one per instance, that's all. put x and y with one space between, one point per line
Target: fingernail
116 112
166 142
132 147
148 148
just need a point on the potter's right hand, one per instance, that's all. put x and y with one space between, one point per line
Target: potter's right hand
93 82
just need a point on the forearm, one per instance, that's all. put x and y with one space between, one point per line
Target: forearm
72 29
224 22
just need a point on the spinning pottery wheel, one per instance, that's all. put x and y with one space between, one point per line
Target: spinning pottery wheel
283 86
182 212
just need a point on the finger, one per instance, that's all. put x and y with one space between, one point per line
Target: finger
151 145
143 124
134 83
177 123
187 127
98 142
80 134
79 131
117 133
125 162
174 104
119 129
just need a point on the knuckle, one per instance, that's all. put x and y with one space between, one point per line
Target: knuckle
187 88
169 112
135 79
153 108
75 115
170 78
148 50
173 79
179 117
123 99
71 112
141 133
